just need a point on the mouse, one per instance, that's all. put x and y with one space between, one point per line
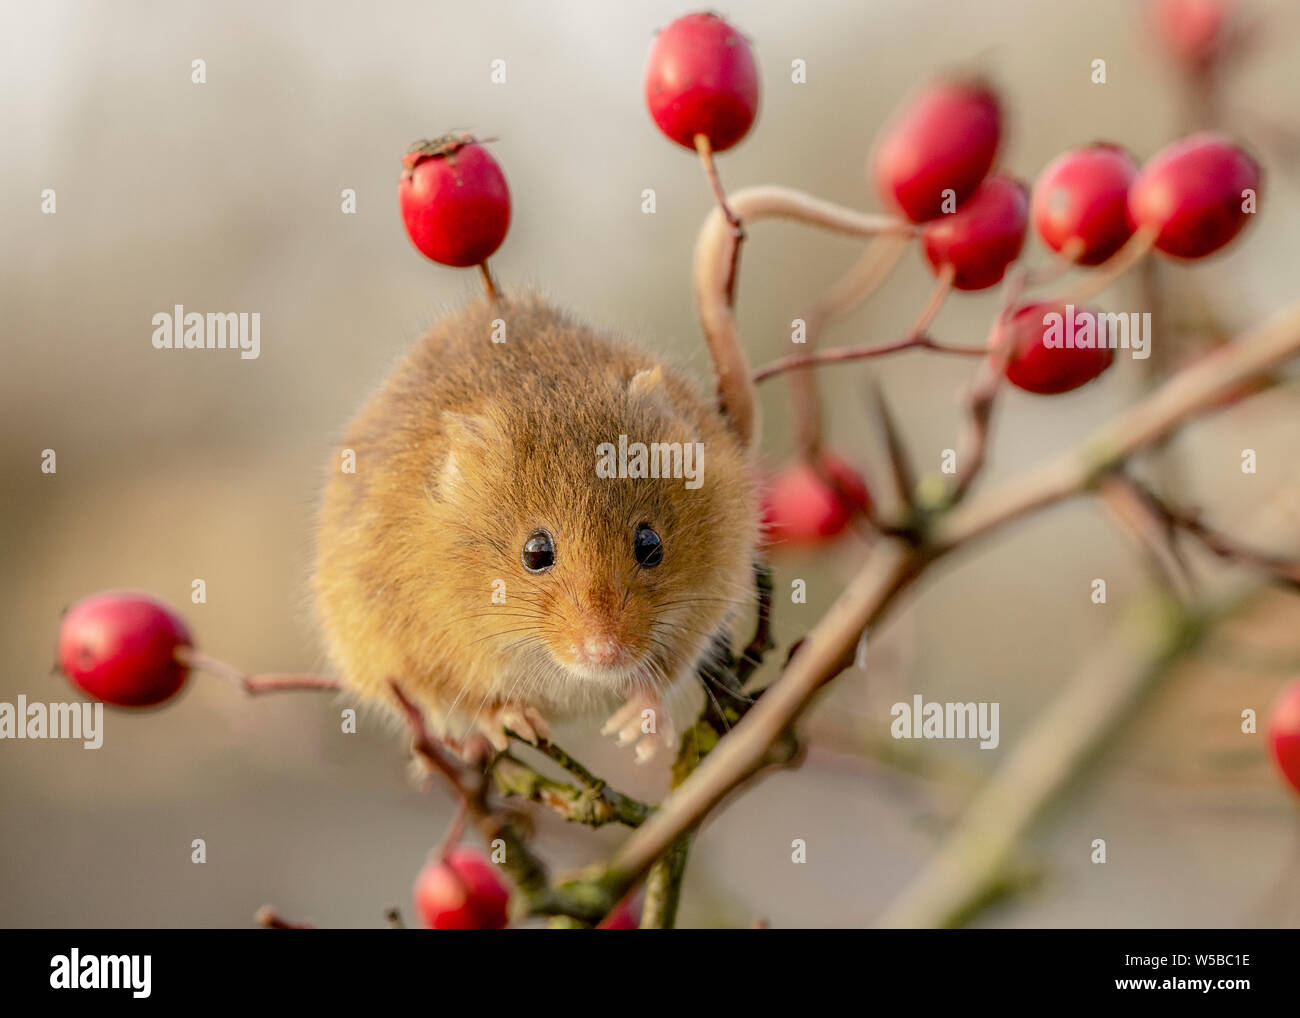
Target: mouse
533 521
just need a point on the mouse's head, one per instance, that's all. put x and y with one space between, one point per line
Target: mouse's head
614 527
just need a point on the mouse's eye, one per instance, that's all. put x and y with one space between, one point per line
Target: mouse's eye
539 552
647 547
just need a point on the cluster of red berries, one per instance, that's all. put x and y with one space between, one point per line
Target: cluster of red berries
933 165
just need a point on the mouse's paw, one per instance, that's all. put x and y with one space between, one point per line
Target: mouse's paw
525 721
643 722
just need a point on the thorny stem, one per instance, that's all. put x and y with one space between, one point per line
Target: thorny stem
829 646
529 874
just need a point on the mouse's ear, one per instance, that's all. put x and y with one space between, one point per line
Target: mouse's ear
470 437
647 392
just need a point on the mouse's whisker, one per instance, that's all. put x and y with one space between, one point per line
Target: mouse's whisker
506 632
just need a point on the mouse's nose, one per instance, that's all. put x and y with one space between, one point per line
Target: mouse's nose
600 649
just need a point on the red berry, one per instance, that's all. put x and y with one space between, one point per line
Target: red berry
626 914
461 892
455 201
982 237
1047 370
1197 32
1192 192
1283 733
800 507
701 79
944 139
120 647
1083 194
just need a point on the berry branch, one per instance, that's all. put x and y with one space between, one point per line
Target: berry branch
715 263
828 648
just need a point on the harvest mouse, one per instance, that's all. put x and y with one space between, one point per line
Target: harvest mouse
503 548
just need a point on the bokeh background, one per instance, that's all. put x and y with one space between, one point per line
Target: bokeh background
173 466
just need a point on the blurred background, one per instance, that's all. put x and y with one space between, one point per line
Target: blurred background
225 196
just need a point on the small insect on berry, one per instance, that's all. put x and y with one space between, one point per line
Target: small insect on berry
1283 733
454 199
944 139
701 78
982 237
804 504
120 647
1081 198
1055 348
462 891
1197 194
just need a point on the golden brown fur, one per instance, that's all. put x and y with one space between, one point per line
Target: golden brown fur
472 445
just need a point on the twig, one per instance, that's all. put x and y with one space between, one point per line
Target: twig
663 887
489 284
1152 533
863 277
984 390
594 806
1096 703
705 149
715 250
252 684
840 355
1281 567
829 646
268 917
1134 250
586 902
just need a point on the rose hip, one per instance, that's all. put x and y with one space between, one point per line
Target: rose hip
800 507
1082 195
462 892
120 647
1047 370
1283 733
701 78
945 138
1197 32
1193 194
982 237
454 200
